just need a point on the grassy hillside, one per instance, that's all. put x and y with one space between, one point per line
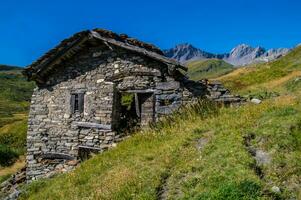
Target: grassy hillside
9 68
249 152
270 76
211 68
15 93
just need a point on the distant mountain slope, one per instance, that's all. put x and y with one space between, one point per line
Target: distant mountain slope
244 54
210 68
9 68
15 94
239 56
15 91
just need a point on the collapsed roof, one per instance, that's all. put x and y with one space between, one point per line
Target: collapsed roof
70 46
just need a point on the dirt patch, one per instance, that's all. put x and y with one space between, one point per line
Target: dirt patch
261 158
162 190
201 143
19 164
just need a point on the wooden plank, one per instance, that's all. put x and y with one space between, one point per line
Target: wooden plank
92 125
140 91
137 105
72 103
81 103
139 50
52 156
87 147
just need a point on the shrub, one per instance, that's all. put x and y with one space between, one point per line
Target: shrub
7 155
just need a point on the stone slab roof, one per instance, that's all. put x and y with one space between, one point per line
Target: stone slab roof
68 47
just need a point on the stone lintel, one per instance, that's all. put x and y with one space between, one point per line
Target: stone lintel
92 125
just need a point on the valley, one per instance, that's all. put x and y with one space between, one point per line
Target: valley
15 94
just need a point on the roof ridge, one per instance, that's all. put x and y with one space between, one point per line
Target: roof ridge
69 44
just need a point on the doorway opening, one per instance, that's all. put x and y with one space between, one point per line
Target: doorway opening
135 110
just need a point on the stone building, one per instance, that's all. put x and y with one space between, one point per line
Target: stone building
93 86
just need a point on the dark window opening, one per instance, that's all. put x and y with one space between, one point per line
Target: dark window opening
84 153
165 102
77 102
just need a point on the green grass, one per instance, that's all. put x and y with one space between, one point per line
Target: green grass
211 68
137 167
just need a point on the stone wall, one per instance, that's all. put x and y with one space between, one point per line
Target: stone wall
218 93
55 134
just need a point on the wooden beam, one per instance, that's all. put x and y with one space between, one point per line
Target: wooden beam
139 50
52 156
92 125
93 148
137 105
139 91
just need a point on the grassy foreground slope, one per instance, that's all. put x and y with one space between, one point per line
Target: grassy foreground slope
176 162
210 68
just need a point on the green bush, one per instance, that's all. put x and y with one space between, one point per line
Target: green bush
7 155
127 100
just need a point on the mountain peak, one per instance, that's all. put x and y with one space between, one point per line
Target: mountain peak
184 45
240 55
244 54
185 51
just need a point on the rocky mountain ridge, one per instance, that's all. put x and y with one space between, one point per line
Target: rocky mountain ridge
240 55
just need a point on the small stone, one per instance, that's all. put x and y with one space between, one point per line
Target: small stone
275 189
66 116
100 80
72 162
109 83
97 54
256 101
262 158
109 60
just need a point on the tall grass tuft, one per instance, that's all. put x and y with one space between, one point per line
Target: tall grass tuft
7 156
202 108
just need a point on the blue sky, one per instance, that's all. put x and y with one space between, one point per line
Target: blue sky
30 28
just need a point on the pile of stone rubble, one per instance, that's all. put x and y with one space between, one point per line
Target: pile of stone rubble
10 187
218 93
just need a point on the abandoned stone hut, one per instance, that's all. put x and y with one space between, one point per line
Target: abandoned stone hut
90 88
